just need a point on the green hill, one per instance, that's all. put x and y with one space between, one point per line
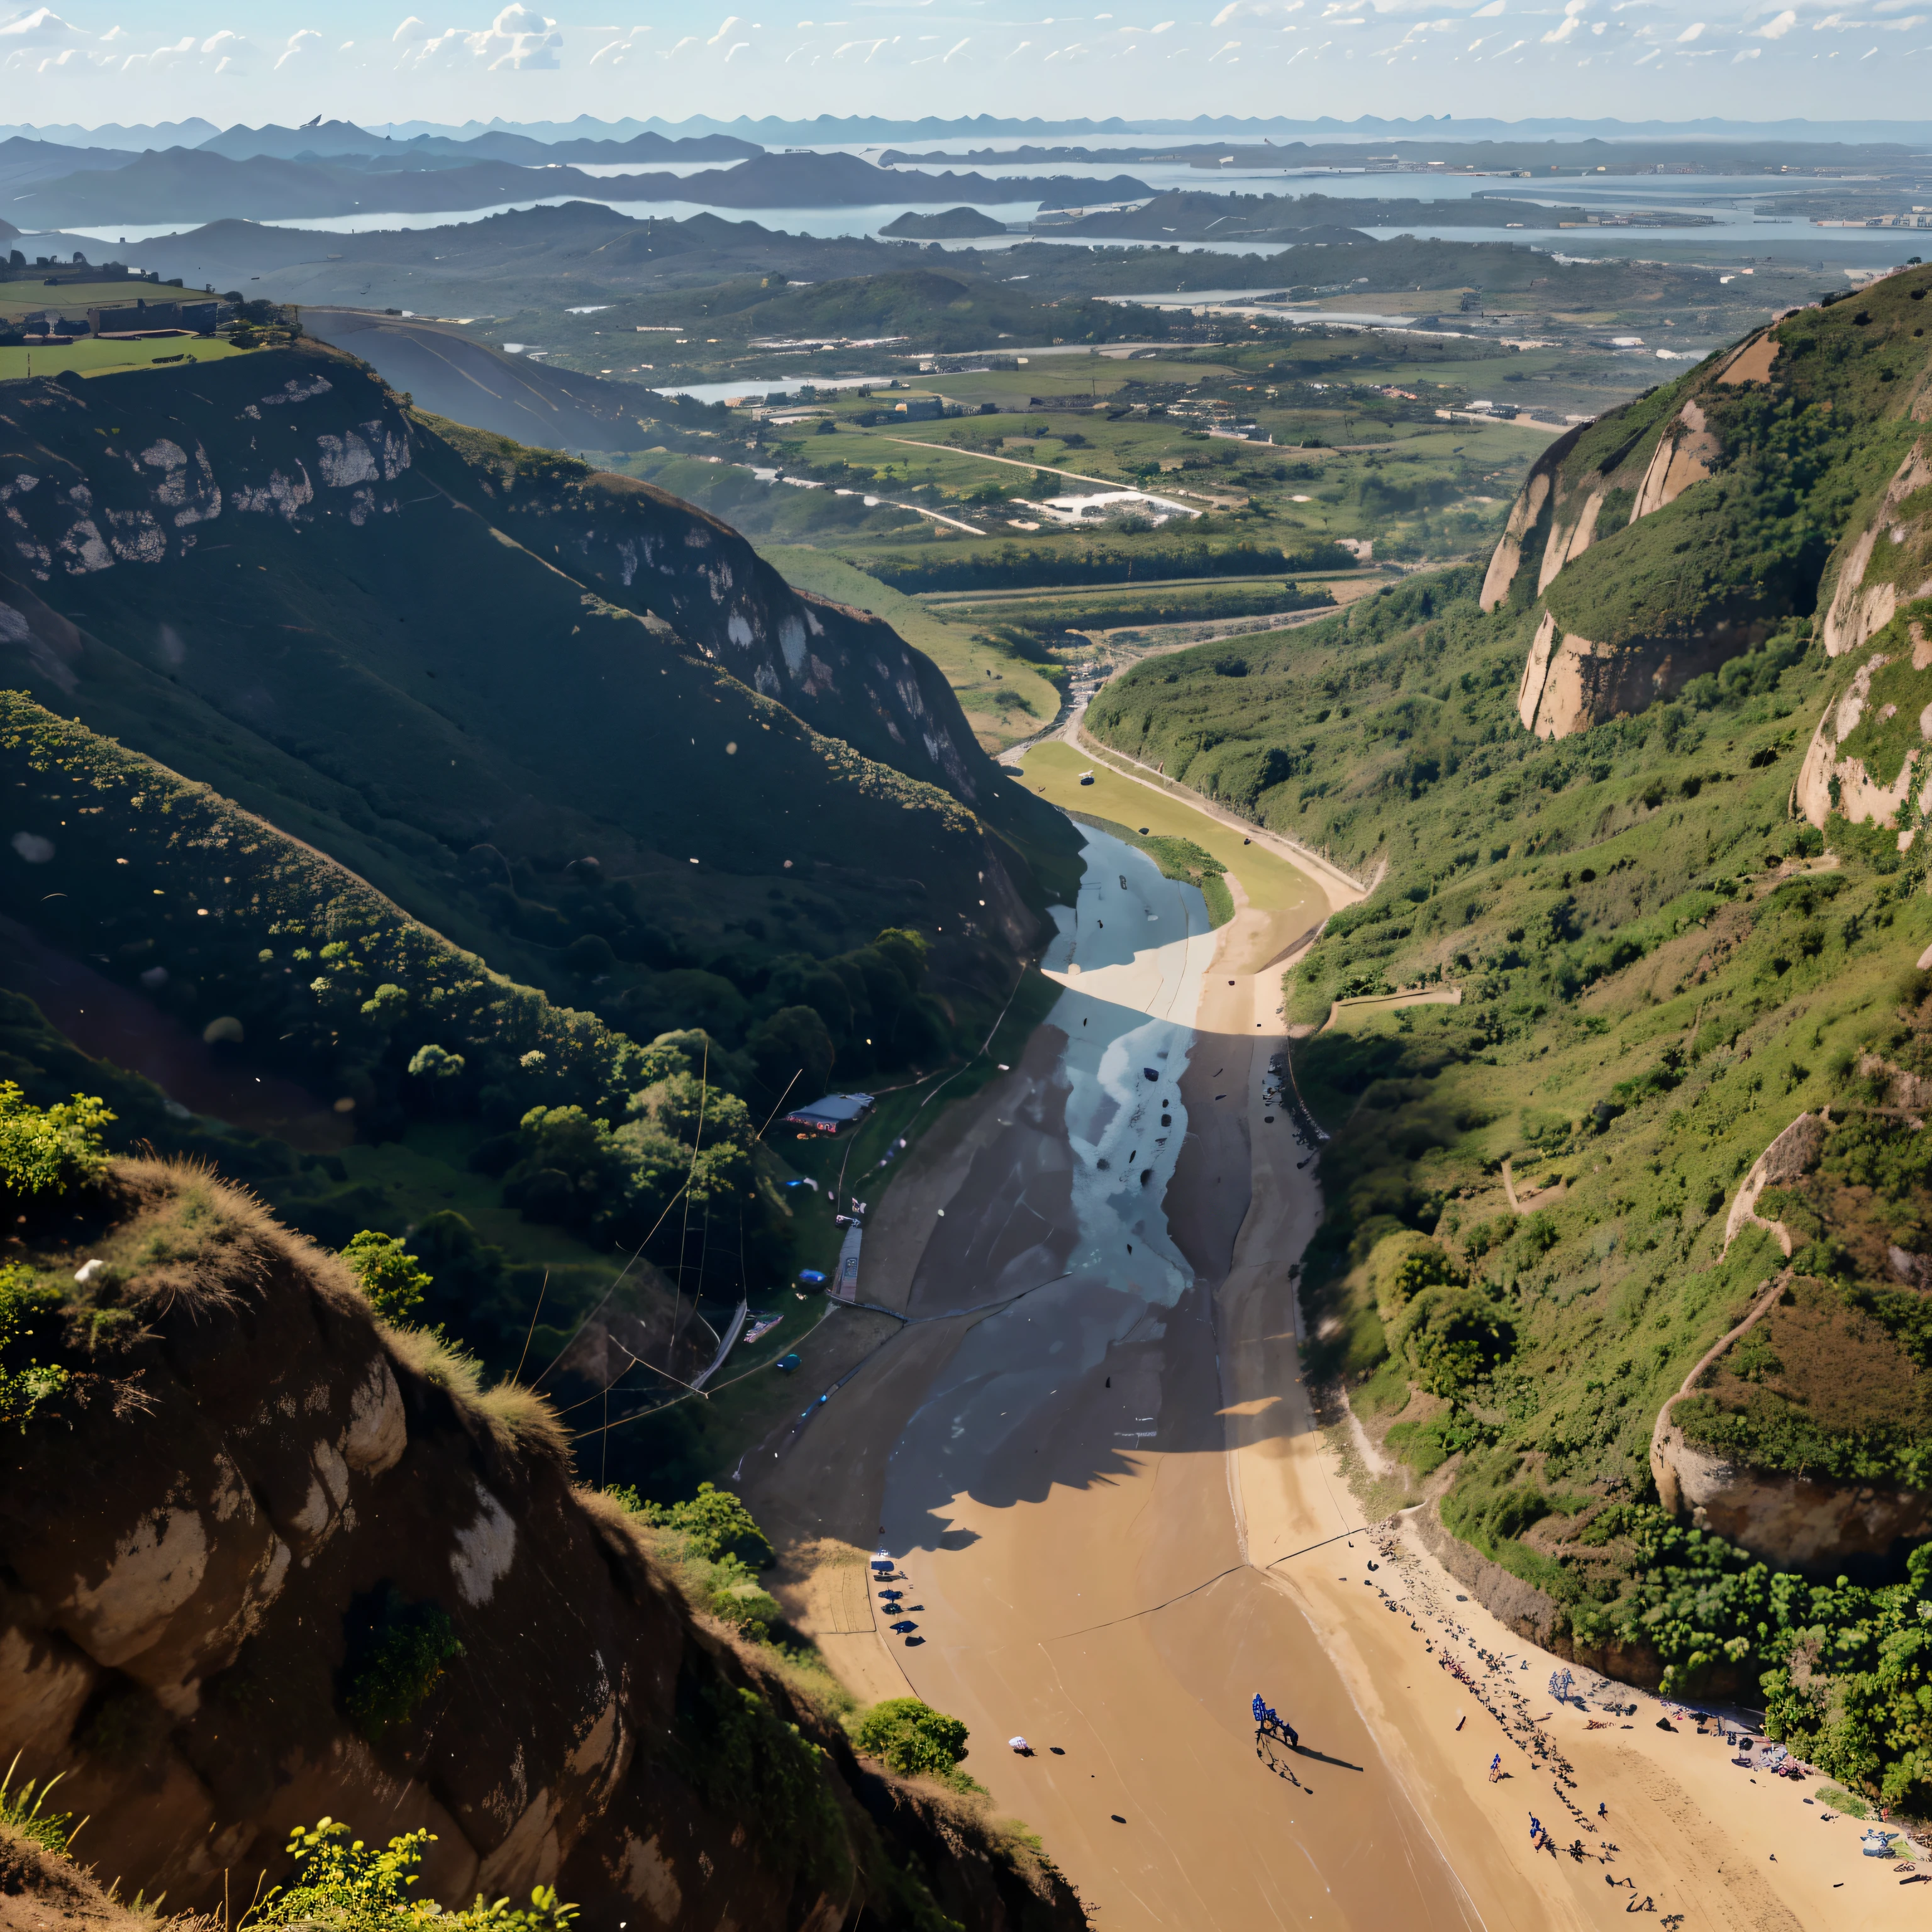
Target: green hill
560 721
937 308
1685 1082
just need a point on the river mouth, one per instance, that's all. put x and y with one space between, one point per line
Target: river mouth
112 1022
1057 1491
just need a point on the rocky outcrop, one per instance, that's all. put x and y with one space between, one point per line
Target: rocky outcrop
1831 779
1798 1521
1526 530
1887 563
1795 1522
1571 682
222 1549
1789 1159
1686 453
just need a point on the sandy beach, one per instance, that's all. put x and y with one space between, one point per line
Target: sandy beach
1091 1455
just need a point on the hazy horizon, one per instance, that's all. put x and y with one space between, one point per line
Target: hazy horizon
154 60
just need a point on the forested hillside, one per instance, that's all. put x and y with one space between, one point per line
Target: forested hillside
1548 1201
477 801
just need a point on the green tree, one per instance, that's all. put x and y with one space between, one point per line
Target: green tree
1454 1335
912 1738
435 1062
792 1041
394 1281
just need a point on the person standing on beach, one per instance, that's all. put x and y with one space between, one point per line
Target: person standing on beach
1495 1767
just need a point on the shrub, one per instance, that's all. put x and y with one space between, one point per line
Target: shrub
391 1279
738 1599
361 1888
24 1389
716 1525
49 1150
25 1811
912 1738
396 1664
1456 1335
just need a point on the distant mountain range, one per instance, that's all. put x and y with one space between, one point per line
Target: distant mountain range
830 129
193 185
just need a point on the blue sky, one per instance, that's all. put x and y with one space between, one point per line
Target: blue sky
151 60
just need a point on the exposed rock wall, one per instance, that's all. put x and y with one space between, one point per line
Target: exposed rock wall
1570 682
307 436
1899 534
1829 780
192 1541
1525 533
1792 1155
1796 1522
1686 453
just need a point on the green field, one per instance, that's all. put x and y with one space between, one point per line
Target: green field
1052 770
104 358
20 299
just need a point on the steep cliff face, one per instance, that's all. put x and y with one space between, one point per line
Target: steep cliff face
145 469
846 673
265 1559
459 666
1684 530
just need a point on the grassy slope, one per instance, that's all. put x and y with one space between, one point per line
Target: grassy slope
92 357
1648 1003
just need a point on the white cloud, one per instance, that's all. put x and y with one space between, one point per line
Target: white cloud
730 21
1776 29
1570 26
42 28
1489 13
412 30
617 53
1694 31
304 41
959 47
1745 54
162 58
517 39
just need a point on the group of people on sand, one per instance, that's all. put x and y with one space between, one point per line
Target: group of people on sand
1268 1723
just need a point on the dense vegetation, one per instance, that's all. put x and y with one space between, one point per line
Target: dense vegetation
1657 973
1019 566
1798 453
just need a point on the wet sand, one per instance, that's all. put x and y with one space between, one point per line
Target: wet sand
1117 1521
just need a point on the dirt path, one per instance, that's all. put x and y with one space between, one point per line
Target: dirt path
1430 996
